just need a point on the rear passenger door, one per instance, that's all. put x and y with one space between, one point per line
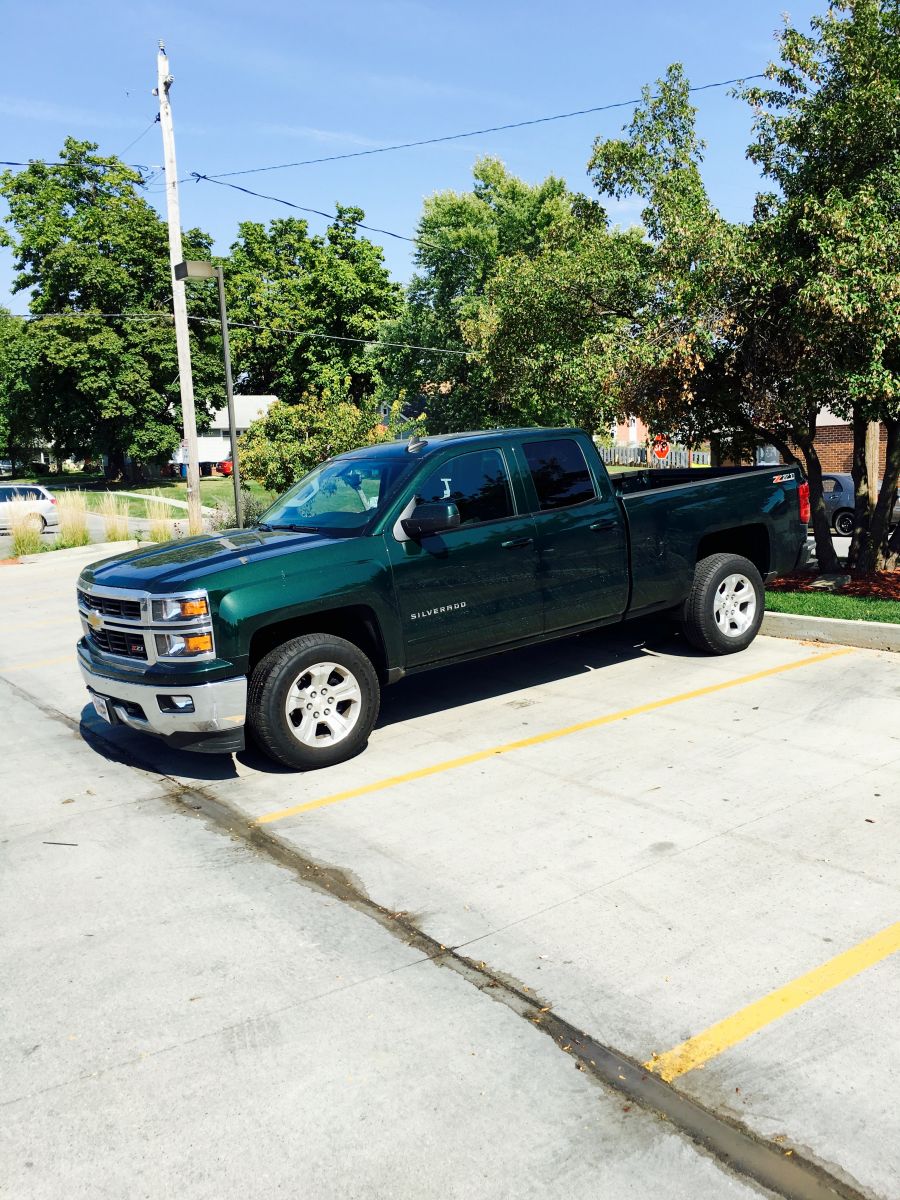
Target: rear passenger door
474 587
582 551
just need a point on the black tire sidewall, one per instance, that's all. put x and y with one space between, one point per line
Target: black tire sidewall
837 520
269 685
699 621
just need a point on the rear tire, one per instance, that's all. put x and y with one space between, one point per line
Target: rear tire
725 608
843 523
312 701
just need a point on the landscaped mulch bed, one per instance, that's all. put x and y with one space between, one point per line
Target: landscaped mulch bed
879 585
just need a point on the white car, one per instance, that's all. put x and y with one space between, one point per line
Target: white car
39 501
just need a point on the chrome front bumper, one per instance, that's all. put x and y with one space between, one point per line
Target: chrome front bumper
216 723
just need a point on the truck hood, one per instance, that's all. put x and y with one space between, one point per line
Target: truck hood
191 563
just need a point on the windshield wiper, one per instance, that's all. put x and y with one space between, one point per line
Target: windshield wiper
293 528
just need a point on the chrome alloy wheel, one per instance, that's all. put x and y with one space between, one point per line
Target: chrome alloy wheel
323 704
734 606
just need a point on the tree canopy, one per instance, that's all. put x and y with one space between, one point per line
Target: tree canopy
306 294
86 245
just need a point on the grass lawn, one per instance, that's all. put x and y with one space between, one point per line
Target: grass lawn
826 604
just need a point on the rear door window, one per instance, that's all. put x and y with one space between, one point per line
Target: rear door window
559 472
477 483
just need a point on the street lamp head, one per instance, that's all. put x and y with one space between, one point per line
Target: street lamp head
195 269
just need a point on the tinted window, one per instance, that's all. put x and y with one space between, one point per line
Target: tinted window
560 473
477 483
28 494
6 494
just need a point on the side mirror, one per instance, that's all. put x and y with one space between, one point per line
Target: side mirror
431 518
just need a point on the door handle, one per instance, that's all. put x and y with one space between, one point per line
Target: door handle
610 523
517 543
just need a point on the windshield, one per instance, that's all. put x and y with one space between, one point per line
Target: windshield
340 497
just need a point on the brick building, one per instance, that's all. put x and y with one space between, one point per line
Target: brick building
834 443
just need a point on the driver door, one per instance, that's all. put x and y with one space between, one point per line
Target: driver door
476 586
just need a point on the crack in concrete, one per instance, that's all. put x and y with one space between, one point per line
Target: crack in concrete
728 1141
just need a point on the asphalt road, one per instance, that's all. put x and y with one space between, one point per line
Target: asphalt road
228 980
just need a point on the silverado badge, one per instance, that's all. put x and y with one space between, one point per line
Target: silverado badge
94 620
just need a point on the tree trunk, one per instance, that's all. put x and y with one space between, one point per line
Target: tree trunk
825 552
887 547
861 547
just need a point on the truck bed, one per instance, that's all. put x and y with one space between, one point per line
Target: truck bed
676 516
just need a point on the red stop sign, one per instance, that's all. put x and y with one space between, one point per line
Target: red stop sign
660 447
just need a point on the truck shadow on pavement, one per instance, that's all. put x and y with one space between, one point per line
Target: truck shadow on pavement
416 696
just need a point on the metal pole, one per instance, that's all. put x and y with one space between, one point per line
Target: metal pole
229 393
179 303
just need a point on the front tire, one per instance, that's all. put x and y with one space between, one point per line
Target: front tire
312 701
725 608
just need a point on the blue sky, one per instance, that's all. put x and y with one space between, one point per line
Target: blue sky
274 81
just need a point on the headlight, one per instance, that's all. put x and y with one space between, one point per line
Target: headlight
187 608
186 645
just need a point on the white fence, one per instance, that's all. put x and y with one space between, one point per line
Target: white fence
639 456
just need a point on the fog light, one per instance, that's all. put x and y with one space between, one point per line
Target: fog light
175 704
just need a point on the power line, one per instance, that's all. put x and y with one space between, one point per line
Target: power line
166 316
333 337
198 178
142 134
453 137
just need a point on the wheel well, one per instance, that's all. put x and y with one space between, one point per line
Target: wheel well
357 624
751 541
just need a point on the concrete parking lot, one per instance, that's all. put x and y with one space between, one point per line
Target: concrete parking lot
229 980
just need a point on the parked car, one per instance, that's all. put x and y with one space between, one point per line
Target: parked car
40 503
840 499
5 466
226 467
401 557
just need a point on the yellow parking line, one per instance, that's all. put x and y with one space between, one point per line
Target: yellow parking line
713 1041
37 662
540 738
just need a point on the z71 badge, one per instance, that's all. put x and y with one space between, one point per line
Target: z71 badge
784 478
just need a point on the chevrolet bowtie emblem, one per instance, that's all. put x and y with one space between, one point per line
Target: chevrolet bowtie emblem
95 620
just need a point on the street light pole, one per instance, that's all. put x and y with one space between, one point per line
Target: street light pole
229 392
194 269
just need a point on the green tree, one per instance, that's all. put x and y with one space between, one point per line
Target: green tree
550 327
828 136
461 238
87 243
17 432
291 439
724 346
307 293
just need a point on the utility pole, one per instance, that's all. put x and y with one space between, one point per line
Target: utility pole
179 303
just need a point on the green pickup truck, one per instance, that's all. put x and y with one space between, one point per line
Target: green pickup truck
405 556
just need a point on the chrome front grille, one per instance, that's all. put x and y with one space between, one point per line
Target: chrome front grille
127 625
111 606
119 641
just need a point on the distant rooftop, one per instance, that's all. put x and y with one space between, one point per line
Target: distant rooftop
246 410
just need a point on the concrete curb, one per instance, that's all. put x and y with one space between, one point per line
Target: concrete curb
87 553
867 635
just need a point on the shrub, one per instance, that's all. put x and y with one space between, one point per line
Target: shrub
114 511
25 528
73 530
291 439
253 508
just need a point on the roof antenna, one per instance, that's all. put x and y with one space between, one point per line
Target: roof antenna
415 444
